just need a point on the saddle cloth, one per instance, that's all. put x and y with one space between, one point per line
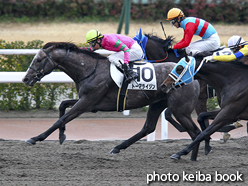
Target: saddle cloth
223 51
146 80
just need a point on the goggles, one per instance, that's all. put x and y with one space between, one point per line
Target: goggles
172 22
93 43
234 50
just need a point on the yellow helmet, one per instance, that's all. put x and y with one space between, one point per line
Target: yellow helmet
174 13
93 35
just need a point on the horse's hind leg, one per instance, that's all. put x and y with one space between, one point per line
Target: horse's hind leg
205 116
168 117
153 114
62 107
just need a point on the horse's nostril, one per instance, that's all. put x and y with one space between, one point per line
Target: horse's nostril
24 79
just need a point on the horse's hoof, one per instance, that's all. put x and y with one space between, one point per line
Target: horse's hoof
208 150
237 124
114 151
62 139
226 137
31 141
175 157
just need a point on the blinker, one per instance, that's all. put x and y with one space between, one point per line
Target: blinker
187 75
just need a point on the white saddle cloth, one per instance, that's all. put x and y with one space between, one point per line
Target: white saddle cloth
146 80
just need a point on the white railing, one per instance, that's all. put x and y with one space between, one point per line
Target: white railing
34 52
61 77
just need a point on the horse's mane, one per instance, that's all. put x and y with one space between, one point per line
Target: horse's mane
238 64
163 42
73 48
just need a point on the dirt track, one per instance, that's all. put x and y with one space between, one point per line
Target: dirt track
89 163
83 162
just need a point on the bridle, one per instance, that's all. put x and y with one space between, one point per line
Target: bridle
40 74
188 73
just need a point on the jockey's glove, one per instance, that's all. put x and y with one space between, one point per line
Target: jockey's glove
209 59
170 47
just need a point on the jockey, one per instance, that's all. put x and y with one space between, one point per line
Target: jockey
237 45
125 47
194 26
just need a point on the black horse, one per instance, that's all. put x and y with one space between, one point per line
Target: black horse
158 50
229 79
98 92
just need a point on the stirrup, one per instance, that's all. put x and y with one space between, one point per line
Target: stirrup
131 77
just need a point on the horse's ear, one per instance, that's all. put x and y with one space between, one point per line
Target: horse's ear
186 56
49 49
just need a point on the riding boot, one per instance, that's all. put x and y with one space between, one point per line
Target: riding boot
130 74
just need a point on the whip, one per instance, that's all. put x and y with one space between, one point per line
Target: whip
161 23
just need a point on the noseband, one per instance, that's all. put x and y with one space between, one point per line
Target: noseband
41 73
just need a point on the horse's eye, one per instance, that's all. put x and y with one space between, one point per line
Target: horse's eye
39 60
179 69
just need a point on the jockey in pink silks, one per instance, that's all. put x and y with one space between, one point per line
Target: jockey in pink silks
125 47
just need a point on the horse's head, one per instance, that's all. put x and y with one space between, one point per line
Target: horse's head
41 65
156 47
164 43
183 73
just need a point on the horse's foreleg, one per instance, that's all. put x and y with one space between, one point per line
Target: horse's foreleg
74 112
220 120
191 128
44 135
201 106
168 117
153 114
203 120
62 107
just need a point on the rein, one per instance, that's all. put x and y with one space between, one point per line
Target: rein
159 60
40 74
93 71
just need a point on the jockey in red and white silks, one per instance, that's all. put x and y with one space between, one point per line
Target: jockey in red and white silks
194 26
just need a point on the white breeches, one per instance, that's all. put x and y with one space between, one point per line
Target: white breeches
136 53
210 44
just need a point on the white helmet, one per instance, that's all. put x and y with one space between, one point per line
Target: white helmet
235 41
